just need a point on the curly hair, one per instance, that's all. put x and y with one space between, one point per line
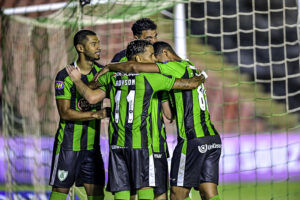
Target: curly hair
142 25
135 47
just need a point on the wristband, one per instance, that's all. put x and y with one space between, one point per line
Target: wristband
204 74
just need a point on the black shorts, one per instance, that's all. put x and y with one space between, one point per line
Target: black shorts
79 167
161 173
130 169
196 161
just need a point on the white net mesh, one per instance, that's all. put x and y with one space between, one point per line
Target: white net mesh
250 50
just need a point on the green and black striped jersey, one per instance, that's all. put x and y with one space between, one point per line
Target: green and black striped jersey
76 135
193 118
157 123
131 102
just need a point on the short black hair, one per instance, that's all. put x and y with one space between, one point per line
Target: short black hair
142 25
135 47
80 36
160 46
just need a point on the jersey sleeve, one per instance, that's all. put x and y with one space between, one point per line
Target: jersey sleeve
63 86
161 82
104 80
166 68
164 96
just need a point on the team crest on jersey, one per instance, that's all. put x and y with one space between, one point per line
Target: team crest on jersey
59 85
62 175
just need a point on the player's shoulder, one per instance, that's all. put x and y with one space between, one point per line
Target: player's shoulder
155 76
62 74
118 56
97 67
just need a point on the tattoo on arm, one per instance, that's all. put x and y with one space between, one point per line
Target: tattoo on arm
182 84
188 84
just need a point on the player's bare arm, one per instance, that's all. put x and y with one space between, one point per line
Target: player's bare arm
66 113
131 66
188 84
92 96
167 110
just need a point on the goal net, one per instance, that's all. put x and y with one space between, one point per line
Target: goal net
249 49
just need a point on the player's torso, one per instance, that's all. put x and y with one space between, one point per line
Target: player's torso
157 124
157 127
130 95
193 118
79 135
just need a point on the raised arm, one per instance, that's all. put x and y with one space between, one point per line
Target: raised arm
92 96
66 113
132 66
188 84
129 66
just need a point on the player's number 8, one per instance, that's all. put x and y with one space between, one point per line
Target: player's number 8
201 98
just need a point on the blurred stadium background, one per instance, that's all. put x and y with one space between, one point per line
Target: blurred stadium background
249 48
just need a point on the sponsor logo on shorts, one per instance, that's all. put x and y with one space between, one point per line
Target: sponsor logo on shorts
117 147
203 148
157 155
62 175
59 85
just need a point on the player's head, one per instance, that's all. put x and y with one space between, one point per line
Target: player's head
87 43
140 51
163 51
144 29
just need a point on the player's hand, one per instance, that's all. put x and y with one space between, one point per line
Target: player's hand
200 79
101 114
94 84
104 70
74 74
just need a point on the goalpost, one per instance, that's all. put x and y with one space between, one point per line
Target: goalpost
250 50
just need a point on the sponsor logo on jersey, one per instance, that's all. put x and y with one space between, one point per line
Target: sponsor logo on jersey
62 175
206 147
84 105
59 85
124 74
117 147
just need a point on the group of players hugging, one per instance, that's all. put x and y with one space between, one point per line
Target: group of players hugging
146 83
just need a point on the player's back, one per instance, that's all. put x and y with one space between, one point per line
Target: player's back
130 96
120 56
193 118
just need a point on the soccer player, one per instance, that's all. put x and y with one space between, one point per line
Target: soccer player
131 164
142 29
145 29
76 154
195 161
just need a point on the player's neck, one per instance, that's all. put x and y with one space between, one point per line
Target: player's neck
84 65
173 57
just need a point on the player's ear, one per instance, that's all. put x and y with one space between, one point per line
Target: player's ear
80 48
135 37
165 52
138 58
